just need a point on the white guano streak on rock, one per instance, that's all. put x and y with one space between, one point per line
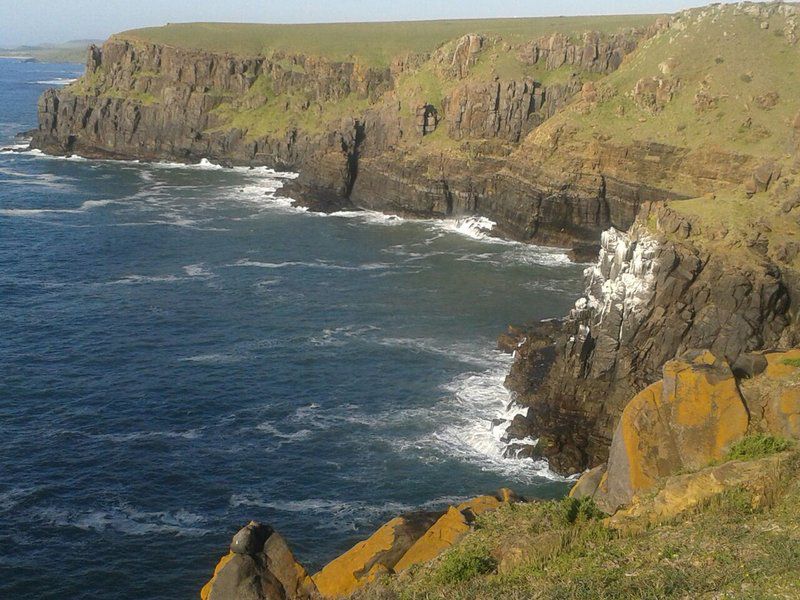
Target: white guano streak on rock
621 283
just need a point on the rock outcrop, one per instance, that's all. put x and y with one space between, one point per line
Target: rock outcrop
259 566
373 557
683 422
593 53
652 296
673 436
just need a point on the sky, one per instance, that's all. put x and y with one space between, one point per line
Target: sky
55 21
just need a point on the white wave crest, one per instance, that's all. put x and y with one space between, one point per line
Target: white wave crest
369 216
478 410
56 81
318 264
130 521
477 228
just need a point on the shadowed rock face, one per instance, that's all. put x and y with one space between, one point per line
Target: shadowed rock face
259 566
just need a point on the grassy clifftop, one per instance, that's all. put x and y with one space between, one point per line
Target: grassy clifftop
373 44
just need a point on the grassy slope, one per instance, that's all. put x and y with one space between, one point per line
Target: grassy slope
728 549
735 61
374 44
731 57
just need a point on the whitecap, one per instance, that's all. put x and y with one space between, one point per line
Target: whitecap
143 279
130 521
319 264
214 358
340 336
56 81
477 411
268 427
369 216
198 270
14 148
477 228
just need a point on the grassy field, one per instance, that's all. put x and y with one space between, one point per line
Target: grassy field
68 52
373 44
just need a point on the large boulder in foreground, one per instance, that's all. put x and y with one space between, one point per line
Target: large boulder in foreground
403 542
775 394
377 555
259 566
683 422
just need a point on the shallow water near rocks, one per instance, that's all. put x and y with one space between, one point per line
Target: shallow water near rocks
183 351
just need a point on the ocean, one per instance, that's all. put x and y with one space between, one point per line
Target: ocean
182 351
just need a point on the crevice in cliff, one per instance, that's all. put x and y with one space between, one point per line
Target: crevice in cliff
353 153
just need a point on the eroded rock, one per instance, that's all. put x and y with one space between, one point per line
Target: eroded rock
686 421
260 566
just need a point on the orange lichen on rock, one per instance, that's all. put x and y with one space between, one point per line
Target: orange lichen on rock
206 590
685 421
378 553
449 529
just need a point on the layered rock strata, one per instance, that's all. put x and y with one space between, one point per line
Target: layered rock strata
347 127
651 296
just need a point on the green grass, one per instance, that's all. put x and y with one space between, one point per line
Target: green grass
68 52
792 362
724 53
465 562
374 44
730 548
758 446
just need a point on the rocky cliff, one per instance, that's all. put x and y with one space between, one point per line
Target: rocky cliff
689 123
428 134
649 298
705 436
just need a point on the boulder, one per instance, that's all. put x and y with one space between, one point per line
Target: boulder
686 421
448 530
259 566
587 484
291 574
377 554
653 93
250 538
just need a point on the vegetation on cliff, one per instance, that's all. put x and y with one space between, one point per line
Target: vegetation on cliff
741 544
371 44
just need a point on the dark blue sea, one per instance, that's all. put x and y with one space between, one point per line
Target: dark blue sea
181 351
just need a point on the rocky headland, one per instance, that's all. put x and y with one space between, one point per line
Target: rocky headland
663 150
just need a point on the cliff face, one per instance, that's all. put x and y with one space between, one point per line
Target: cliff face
650 297
358 135
690 124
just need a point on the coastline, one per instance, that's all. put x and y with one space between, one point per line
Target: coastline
496 443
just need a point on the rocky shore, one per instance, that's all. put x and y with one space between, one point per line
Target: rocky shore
670 455
666 154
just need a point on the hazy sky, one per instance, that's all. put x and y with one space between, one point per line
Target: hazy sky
36 21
